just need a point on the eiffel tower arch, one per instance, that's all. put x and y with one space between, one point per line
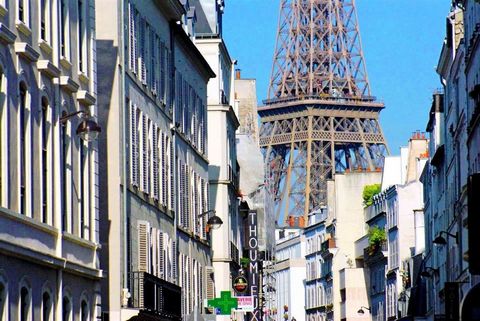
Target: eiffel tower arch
320 117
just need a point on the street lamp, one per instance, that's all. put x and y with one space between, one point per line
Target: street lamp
214 222
361 312
88 130
440 240
426 274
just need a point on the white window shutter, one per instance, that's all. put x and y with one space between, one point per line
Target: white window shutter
174 262
165 173
161 254
133 144
144 176
141 58
171 166
155 163
143 246
154 251
131 36
210 283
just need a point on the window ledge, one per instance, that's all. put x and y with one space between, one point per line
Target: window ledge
48 68
45 46
80 241
3 11
25 50
84 97
68 84
65 63
23 28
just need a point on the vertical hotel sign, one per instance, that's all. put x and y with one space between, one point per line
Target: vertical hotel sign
253 268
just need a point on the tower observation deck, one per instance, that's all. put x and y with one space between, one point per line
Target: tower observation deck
319 118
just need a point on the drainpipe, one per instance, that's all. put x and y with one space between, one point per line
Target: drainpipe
124 143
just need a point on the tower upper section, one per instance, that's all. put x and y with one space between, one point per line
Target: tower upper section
318 52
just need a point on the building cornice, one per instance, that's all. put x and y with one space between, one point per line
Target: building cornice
191 50
172 9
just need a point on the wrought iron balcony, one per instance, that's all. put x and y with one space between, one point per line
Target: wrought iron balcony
154 295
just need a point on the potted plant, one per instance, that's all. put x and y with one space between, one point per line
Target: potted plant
376 238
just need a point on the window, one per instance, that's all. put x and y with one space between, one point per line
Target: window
84 311
25 304
45 20
81 187
44 171
66 309
65 144
23 147
81 36
47 312
22 11
64 25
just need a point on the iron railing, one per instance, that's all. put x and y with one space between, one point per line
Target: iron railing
155 295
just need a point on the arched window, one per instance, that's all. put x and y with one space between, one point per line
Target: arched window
84 311
25 306
44 172
47 304
66 309
23 147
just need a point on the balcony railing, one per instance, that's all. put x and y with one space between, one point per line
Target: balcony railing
155 295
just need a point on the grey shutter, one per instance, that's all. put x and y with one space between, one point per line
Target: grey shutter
153 251
163 74
210 284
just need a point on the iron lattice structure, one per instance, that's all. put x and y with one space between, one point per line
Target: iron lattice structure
319 118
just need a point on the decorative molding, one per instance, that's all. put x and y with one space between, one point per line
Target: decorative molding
23 28
67 83
26 51
48 68
84 97
6 35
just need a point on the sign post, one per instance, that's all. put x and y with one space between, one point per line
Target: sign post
253 267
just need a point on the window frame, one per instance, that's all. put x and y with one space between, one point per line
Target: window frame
45 21
67 296
46 160
23 131
47 290
3 138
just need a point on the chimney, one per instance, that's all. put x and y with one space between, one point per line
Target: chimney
238 73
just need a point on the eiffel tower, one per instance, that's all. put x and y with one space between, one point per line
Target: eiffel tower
319 118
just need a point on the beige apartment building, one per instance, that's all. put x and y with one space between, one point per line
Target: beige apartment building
153 83
49 241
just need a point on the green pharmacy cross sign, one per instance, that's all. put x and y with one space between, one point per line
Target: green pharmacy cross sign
225 302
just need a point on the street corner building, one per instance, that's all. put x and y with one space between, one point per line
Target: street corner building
49 196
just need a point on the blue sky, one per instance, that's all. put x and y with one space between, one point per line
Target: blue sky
401 42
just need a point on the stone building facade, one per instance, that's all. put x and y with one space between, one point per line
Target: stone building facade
49 197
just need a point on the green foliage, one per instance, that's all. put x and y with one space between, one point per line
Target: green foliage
376 236
368 192
244 261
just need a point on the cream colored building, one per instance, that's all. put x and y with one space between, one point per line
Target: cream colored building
154 161
49 197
